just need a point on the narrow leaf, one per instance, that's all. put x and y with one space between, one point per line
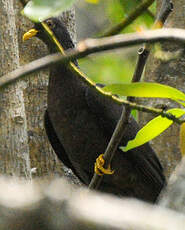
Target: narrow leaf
152 129
39 10
145 89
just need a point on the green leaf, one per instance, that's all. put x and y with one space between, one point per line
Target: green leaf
134 113
93 1
39 10
152 129
145 89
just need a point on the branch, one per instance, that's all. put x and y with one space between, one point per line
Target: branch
97 209
121 125
129 19
176 185
90 46
55 205
166 9
97 45
31 67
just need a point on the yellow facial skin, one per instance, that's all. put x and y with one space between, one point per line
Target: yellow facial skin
31 33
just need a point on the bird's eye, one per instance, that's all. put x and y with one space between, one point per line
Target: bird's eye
50 23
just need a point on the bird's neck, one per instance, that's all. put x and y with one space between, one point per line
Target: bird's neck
66 89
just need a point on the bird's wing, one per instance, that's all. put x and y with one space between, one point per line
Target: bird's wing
108 113
57 145
55 142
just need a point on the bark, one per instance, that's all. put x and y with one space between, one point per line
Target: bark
14 150
24 147
42 157
170 72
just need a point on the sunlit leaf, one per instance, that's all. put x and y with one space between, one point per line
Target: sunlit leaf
134 113
182 139
145 89
39 10
152 129
92 1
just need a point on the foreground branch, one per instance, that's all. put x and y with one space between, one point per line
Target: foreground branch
90 46
57 205
174 195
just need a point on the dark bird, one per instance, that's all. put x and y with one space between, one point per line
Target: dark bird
80 121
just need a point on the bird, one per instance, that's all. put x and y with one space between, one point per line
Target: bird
80 121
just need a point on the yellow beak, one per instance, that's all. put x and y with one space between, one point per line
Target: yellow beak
31 33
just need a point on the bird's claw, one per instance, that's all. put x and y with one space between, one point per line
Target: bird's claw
99 169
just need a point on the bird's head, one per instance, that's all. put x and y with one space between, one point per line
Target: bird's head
50 30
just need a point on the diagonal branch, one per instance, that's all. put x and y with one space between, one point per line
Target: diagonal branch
129 19
90 46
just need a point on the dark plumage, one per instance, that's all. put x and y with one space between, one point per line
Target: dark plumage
79 123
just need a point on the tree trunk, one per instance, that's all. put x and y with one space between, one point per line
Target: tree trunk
171 72
14 150
35 98
23 143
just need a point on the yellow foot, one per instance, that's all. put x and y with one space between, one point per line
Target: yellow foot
99 169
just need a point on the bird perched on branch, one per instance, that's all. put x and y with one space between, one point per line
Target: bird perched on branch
80 121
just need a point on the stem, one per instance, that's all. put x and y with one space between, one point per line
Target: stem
129 19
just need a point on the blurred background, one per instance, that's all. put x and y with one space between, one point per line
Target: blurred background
93 17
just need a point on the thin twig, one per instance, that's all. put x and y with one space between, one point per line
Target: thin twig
129 19
120 127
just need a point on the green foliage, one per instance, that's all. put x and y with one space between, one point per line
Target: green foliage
146 89
108 68
117 10
152 129
39 10
111 68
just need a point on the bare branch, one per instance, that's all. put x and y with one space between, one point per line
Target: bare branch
96 209
58 205
97 45
90 46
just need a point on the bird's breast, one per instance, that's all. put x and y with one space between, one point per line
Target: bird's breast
77 128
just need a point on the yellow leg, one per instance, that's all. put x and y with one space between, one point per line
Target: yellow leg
99 169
